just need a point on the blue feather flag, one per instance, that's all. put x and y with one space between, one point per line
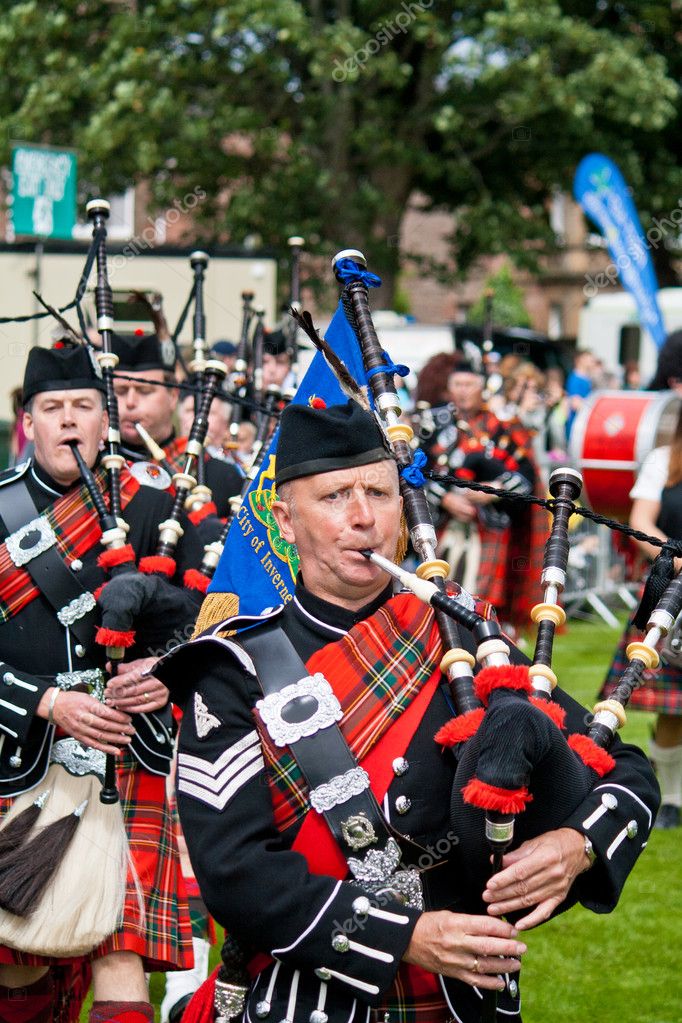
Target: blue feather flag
257 564
602 192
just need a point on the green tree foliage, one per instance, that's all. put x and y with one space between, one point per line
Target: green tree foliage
508 305
322 118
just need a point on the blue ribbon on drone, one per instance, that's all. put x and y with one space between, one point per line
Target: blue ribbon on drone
412 473
347 270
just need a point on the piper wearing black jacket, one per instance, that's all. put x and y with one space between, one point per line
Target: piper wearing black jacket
52 677
286 727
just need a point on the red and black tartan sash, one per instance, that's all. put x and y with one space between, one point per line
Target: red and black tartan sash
175 453
74 521
376 671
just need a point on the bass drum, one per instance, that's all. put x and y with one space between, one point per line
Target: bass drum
611 436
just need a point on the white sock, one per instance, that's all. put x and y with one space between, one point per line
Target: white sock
668 761
184 982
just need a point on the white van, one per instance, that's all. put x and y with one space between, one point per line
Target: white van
609 327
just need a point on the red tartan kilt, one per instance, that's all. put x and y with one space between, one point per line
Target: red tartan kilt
414 995
164 938
492 569
661 691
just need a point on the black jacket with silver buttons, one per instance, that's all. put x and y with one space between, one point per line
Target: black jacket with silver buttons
264 894
35 647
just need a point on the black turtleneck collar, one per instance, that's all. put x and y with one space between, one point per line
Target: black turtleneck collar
46 484
328 620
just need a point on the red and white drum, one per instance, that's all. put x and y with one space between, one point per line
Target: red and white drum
611 436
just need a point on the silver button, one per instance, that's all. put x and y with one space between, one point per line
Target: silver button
403 804
513 988
631 829
15 761
340 943
76 565
317 1016
609 801
362 905
262 1009
400 766
79 650
322 973
8 678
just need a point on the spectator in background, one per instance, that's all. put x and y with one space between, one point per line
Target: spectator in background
669 370
556 413
632 378
432 382
579 385
522 395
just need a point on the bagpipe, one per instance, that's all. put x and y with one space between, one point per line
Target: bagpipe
519 773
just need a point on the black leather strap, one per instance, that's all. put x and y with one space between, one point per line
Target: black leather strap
321 756
57 583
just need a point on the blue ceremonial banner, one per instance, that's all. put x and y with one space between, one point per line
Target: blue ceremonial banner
601 190
257 564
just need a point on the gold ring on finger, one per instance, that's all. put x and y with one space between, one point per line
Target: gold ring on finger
145 696
475 966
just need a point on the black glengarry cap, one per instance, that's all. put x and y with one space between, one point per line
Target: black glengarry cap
142 351
64 368
316 440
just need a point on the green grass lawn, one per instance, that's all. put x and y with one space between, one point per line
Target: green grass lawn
620 968
625 966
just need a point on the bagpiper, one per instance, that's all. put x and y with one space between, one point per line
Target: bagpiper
315 800
58 722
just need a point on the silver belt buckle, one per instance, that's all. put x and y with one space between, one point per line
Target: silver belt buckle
30 540
76 608
93 678
377 874
77 759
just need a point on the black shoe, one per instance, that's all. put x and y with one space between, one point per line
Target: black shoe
668 817
177 1012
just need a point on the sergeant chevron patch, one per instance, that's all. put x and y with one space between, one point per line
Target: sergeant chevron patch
204 721
215 782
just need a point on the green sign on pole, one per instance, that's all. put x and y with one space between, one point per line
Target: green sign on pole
43 191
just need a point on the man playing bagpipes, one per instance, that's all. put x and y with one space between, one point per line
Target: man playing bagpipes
69 900
146 401
493 547
315 800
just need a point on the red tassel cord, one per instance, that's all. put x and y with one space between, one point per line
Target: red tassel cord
490 797
591 755
202 513
193 579
111 637
507 676
118 556
156 563
200 1009
460 729
552 710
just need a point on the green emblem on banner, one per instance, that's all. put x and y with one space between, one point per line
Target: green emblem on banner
43 191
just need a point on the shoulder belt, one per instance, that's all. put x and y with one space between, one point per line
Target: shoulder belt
301 712
57 583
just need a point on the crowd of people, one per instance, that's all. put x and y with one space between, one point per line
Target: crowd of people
306 771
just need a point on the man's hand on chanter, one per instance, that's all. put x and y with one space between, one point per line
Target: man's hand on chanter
473 949
538 874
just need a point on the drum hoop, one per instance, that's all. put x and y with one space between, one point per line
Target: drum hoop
648 425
